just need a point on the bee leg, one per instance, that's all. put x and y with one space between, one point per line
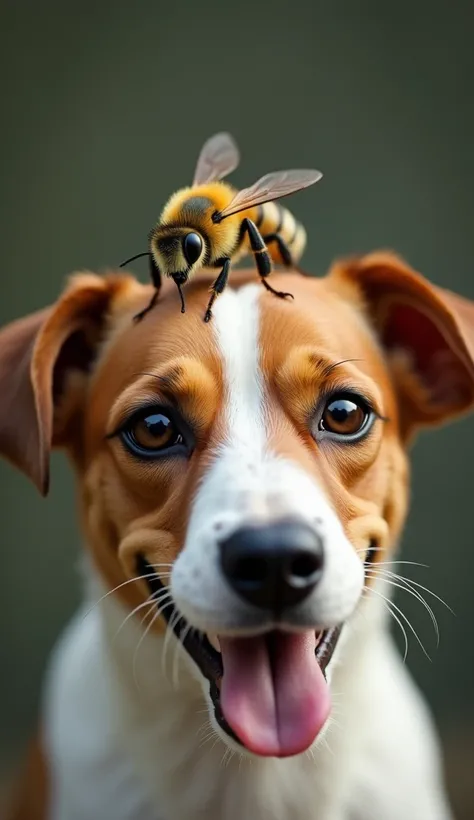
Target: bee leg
262 257
156 279
217 288
283 248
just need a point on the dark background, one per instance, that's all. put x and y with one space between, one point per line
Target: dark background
104 108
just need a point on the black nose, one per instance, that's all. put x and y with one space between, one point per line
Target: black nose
274 566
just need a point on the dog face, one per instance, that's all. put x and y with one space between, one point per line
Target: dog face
248 469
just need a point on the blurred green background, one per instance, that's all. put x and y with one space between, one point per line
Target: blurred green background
105 106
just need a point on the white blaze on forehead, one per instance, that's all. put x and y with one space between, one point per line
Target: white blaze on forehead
247 482
237 479
236 325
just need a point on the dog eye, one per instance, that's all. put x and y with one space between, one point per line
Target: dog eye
346 416
152 433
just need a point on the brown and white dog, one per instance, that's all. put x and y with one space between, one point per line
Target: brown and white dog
241 484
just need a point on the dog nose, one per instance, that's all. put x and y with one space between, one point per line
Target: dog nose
274 566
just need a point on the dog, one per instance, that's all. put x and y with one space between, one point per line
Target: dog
243 486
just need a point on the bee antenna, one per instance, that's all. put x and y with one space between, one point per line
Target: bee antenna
183 306
132 258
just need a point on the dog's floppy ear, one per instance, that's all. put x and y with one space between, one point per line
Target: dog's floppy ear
37 356
428 333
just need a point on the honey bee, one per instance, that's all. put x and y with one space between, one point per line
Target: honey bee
211 224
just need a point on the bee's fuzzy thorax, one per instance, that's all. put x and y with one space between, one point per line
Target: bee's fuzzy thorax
218 195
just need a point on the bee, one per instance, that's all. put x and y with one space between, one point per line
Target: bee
211 224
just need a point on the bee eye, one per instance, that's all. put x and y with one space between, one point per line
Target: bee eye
192 247
346 417
152 433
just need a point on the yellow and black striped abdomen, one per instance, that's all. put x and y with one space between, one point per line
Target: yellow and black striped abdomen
271 218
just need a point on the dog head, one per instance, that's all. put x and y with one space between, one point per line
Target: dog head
248 471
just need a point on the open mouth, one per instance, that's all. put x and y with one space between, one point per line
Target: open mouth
269 691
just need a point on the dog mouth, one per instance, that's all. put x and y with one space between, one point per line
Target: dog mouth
269 691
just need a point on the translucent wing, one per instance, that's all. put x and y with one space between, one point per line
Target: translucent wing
219 156
269 187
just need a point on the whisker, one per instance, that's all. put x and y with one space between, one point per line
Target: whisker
119 586
155 598
387 563
328 748
177 657
142 638
411 563
151 611
334 722
420 586
207 737
170 632
398 621
160 566
407 621
164 566
216 740
148 603
228 755
165 595
404 586
165 602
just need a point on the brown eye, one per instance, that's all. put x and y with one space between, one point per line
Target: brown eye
345 416
152 433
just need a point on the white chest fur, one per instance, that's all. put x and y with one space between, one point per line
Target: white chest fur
129 737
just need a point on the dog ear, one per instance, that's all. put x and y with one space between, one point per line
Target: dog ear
38 355
428 333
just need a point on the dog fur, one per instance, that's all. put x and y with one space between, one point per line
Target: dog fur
127 728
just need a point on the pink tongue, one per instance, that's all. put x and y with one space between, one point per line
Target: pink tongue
273 693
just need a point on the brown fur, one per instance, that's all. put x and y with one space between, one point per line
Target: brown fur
30 799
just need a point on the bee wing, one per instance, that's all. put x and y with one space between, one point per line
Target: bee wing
270 187
219 156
